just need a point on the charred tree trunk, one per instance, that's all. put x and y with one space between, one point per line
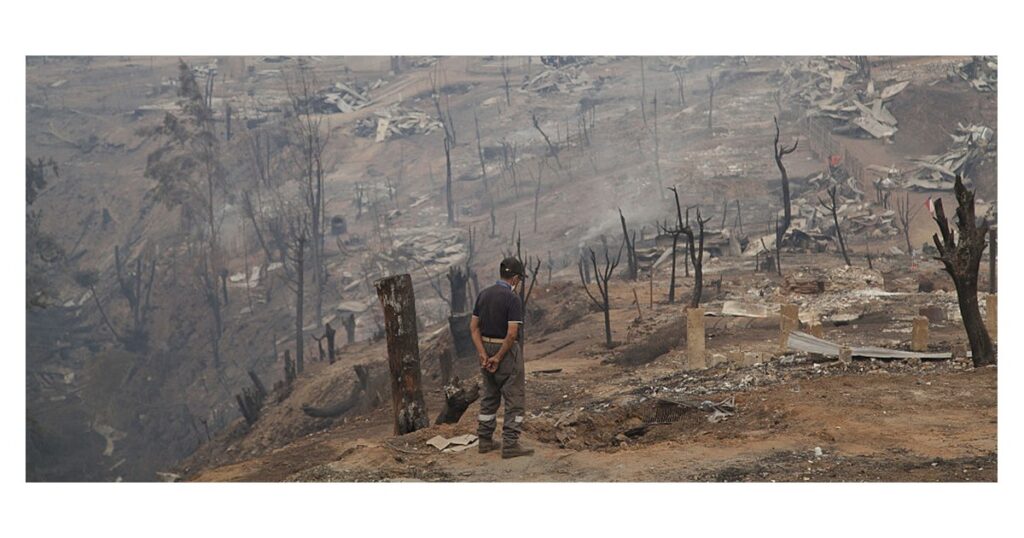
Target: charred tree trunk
449 199
552 149
697 257
329 335
349 322
289 367
961 257
992 260
458 321
602 277
399 305
905 216
458 395
780 152
630 248
711 100
832 207
300 280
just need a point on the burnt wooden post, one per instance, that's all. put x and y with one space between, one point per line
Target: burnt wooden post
399 305
329 333
350 328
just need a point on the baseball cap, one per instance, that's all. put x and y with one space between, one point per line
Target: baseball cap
512 266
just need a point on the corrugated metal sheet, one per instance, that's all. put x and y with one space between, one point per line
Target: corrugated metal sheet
801 341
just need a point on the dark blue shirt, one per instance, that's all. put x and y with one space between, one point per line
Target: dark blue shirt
497 306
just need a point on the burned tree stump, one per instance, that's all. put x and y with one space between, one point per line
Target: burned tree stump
289 367
329 334
349 322
458 321
399 305
458 395
250 401
961 257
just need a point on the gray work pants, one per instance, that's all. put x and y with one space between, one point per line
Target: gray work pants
508 383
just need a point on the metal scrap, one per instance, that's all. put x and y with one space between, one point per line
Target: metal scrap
801 341
972 144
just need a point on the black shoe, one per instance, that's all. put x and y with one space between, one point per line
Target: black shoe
515 451
487 445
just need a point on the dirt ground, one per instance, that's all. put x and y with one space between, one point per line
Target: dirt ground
882 426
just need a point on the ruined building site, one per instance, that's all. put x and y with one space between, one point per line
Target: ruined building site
734 269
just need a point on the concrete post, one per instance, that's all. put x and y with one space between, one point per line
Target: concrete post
919 335
789 320
695 338
990 315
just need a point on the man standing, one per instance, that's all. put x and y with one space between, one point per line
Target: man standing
497 315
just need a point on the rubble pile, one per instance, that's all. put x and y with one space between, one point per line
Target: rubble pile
565 79
341 97
396 122
972 144
981 73
834 89
435 249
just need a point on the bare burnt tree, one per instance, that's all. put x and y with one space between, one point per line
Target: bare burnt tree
602 277
504 77
905 214
536 194
299 233
190 177
448 196
675 231
630 247
552 149
657 153
781 151
483 173
960 255
697 257
643 92
832 207
311 137
136 287
712 86
679 82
